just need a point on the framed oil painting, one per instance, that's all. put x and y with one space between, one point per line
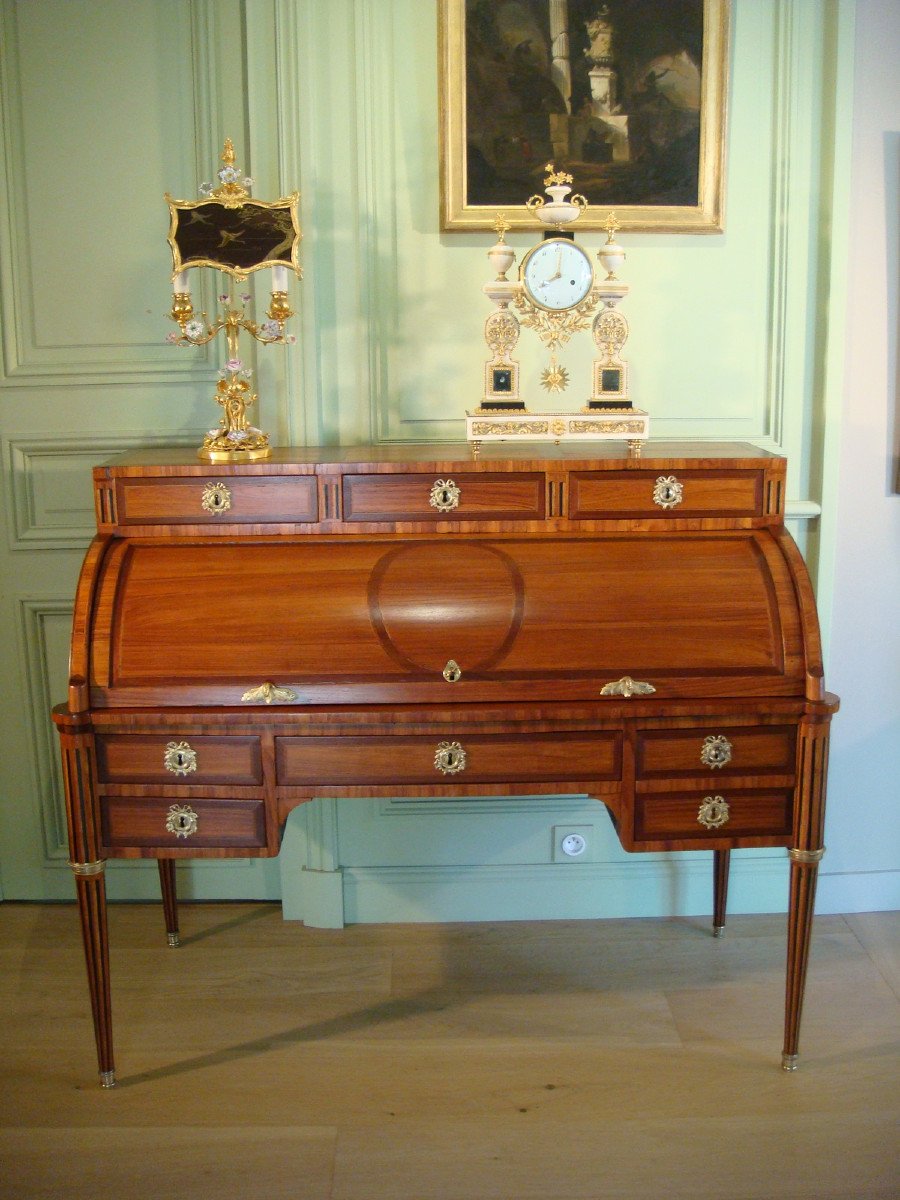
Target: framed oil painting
627 96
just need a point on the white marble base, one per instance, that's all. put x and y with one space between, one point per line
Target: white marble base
596 425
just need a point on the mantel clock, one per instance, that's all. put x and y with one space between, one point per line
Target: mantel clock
557 294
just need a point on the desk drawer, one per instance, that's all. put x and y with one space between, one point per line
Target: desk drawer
724 813
597 494
717 750
218 500
184 824
171 758
452 496
485 758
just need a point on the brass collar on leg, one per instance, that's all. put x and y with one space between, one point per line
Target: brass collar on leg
808 857
89 868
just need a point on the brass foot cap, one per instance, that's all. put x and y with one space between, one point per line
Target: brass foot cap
107 1079
718 930
789 1062
173 939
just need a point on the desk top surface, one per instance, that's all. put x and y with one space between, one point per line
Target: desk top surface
599 456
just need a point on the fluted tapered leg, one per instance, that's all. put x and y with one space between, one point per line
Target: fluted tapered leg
90 886
169 898
805 856
721 864
82 813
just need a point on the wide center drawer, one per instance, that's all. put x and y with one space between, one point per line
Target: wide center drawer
500 758
170 758
456 496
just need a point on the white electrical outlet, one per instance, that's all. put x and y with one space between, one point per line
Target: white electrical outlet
573 843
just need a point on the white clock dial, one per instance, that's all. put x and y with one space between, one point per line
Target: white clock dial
557 274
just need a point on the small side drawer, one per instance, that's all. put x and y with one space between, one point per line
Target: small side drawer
754 750
447 496
748 813
486 758
595 495
161 821
175 758
218 500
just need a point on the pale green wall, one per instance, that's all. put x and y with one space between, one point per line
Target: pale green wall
106 105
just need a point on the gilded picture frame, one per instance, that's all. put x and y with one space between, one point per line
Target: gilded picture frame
235 236
642 129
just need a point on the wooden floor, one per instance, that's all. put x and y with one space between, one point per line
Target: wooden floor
533 1061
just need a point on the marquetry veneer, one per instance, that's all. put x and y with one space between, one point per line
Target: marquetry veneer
418 621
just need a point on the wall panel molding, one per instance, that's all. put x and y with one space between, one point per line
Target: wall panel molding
132 348
48 484
40 649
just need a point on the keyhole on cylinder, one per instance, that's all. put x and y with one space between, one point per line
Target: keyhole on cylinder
183 822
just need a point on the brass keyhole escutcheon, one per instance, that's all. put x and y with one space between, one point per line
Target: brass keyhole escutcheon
182 821
216 498
444 495
714 812
715 751
450 758
668 491
452 672
180 758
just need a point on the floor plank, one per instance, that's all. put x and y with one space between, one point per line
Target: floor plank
557 1060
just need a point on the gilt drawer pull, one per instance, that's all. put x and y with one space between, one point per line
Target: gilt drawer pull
450 758
180 758
444 495
668 491
216 498
627 687
269 693
182 821
716 751
714 812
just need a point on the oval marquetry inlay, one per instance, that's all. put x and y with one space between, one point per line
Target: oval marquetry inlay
435 601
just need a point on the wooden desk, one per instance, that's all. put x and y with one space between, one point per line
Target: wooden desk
414 621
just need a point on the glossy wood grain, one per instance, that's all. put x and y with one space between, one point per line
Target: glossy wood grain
347 619
126 758
140 821
659 818
407 497
595 495
168 501
400 761
754 750
392 628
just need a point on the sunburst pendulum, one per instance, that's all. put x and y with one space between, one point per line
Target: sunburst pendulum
555 378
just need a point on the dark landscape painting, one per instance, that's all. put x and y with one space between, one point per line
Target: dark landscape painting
609 92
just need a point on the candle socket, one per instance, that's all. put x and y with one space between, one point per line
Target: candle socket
279 309
182 307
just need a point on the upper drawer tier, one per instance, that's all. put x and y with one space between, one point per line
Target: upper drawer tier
594 495
445 620
218 500
459 496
